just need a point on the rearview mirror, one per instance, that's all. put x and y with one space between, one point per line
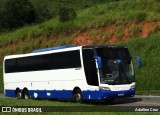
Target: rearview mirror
118 61
138 61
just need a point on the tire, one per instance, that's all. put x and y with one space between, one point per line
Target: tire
18 94
77 96
25 94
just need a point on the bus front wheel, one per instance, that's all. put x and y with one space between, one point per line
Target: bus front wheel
77 96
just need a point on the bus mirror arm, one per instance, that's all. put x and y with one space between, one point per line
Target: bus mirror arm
99 61
138 60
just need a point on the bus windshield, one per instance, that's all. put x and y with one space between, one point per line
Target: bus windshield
114 73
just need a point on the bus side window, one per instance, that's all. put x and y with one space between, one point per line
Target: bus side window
64 60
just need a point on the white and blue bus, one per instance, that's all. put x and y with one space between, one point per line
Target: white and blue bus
95 72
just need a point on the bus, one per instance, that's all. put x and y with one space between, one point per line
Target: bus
92 72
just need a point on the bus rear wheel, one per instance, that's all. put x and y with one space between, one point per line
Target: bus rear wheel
77 96
25 94
18 94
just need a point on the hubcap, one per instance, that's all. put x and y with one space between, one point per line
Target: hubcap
78 96
19 95
26 96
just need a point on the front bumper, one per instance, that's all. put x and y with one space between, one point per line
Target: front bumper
106 94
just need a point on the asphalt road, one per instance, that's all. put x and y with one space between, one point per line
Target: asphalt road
137 100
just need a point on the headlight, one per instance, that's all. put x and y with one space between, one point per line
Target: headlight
132 87
104 88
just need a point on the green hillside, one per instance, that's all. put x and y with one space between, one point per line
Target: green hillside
118 13
99 24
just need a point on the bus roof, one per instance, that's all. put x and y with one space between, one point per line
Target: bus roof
63 47
41 51
103 46
53 48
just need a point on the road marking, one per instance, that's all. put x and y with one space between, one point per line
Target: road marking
152 103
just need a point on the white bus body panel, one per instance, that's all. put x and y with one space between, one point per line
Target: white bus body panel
59 80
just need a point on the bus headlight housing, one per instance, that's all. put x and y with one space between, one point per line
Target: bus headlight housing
132 87
105 88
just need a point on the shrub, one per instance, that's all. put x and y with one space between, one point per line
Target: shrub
66 14
42 13
140 17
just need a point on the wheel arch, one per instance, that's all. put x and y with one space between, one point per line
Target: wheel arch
17 89
77 94
25 91
76 88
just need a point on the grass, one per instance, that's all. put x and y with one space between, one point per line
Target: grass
15 102
151 92
1 80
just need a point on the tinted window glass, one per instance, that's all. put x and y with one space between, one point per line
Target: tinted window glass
90 67
10 65
114 53
33 63
62 60
70 59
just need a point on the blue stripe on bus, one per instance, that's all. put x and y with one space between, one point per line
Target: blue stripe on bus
104 94
67 94
10 93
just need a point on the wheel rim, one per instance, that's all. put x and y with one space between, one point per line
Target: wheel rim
26 96
78 97
19 95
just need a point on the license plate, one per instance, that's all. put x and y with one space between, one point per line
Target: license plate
121 94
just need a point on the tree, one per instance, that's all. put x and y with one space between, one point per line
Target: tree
42 12
19 13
